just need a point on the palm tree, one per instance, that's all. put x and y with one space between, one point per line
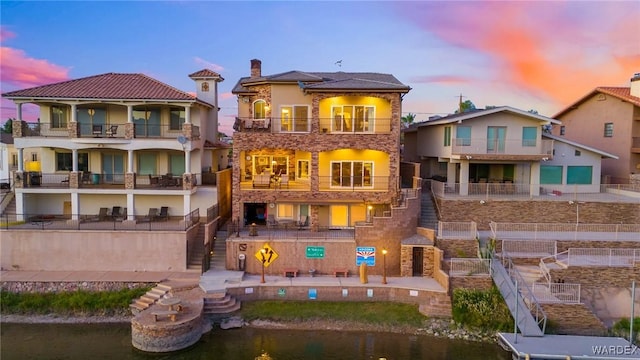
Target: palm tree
408 119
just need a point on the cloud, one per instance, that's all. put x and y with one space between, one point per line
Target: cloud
440 79
555 50
22 71
226 96
6 34
208 65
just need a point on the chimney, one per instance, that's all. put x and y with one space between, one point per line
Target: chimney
635 85
256 68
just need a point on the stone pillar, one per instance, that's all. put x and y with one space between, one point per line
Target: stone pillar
72 127
17 128
74 180
314 176
534 179
129 131
314 218
188 181
130 180
187 130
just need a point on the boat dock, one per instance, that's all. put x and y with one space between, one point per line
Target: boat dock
568 347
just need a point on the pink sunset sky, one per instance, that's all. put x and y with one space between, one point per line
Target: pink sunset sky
539 55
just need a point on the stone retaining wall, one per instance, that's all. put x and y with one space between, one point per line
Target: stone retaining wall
68 286
458 248
597 276
478 282
573 319
431 303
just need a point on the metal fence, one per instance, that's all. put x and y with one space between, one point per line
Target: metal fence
457 230
603 257
289 231
469 267
547 230
528 248
556 293
102 222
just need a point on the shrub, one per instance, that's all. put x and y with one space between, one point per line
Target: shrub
481 309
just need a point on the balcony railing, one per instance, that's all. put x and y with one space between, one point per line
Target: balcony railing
292 231
105 181
326 126
603 257
353 183
462 146
564 231
457 230
469 267
114 130
99 222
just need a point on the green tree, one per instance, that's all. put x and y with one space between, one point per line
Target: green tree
466 106
408 119
7 128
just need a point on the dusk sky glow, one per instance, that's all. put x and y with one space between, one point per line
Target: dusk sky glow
539 55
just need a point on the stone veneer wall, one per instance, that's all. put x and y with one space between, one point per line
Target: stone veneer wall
537 211
438 274
597 276
68 286
458 248
478 282
573 319
564 245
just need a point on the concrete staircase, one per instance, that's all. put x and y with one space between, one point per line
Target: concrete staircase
9 211
213 282
149 298
196 253
428 215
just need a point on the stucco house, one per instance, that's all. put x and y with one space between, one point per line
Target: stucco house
119 153
607 118
316 159
501 146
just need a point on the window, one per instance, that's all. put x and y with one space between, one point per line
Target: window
64 161
260 109
34 156
496 136
147 164
303 169
176 164
608 129
146 121
529 135
90 117
447 136
351 118
579 175
463 136
577 153
550 174
294 118
176 119
351 174
14 160
58 117
272 164
285 211
562 130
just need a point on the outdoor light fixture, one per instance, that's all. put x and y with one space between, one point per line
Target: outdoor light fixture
384 266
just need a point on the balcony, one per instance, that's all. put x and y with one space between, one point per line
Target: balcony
325 183
326 126
114 131
487 149
89 180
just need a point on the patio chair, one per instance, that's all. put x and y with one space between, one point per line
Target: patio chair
86 177
102 215
271 221
154 180
112 131
151 216
96 130
116 212
164 213
304 222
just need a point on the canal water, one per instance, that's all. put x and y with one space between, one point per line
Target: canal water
113 341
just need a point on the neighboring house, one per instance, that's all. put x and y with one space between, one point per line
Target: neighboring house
607 118
8 159
125 142
501 145
573 168
317 149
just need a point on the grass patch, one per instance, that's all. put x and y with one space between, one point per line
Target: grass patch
622 327
481 309
380 313
69 303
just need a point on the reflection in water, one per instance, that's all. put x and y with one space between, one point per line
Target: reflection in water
113 341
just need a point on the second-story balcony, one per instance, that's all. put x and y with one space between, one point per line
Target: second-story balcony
497 148
325 183
113 130
325 126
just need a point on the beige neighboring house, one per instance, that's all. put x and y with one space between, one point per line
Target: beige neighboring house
501 145
607 118
122 160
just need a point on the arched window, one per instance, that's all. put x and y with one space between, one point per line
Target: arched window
260 109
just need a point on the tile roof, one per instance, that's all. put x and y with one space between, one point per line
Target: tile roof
328 81
206 73
622 93
106 86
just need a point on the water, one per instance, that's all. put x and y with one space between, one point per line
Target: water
113 341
